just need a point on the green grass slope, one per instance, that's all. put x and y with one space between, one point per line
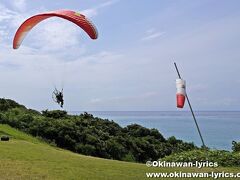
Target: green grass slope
25 157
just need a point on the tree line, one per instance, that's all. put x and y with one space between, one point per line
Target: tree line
89 135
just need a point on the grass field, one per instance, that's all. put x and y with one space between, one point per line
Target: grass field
25 157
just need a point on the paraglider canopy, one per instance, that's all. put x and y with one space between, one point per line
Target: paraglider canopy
69 15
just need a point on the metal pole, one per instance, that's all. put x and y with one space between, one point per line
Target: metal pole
194 118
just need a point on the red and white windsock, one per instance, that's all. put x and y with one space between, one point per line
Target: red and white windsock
181 92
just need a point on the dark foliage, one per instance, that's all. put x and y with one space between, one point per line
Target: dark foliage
90 135
54 114
221 157
236 146
6 104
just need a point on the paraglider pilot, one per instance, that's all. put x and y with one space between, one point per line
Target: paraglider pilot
58 97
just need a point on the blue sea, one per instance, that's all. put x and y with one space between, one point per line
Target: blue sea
218 129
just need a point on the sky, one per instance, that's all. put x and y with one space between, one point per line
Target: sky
130 66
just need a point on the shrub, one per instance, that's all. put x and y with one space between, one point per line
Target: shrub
6 104
236 146
54 114
85 149
223 158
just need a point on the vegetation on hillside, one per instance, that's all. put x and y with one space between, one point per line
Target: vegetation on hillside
89 135
236 146
221 157
25 157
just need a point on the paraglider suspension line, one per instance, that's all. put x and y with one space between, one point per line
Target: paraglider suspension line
194 118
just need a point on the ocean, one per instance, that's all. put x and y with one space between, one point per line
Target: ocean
218 128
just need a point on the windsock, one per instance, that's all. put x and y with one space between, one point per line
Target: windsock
181 92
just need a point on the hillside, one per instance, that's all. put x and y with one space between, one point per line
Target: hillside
25 157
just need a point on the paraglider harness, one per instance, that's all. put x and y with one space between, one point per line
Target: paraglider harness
58 97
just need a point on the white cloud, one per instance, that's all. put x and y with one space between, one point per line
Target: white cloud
6 17
3 32
10 20
5 13
151 34
53 35
91 12
19 4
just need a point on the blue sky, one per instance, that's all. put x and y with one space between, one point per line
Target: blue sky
130 66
